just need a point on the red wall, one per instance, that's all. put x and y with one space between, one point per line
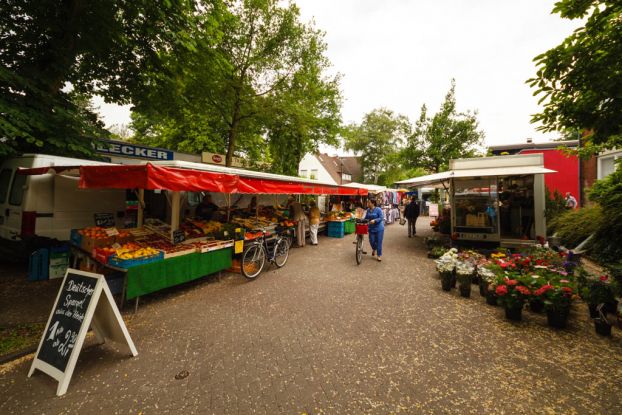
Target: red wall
567 167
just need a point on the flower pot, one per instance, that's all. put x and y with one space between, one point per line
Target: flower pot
611 307
602 327
446 278
491 298
482 287
593 310
465 290
536 305
557 318
453 280
514 313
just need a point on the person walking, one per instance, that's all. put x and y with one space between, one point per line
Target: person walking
314 222
297 214
411 213
376 227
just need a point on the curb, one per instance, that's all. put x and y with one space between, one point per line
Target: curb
16 355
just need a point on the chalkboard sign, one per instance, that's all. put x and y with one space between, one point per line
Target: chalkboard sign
105 220
178 236
67 319
84 301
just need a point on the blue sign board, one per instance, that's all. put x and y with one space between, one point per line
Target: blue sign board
131 150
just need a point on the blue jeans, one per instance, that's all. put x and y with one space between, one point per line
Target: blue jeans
375 240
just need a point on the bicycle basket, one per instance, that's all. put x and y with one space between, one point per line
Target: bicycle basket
362 229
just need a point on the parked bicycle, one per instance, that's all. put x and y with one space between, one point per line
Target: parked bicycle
361 229
261 250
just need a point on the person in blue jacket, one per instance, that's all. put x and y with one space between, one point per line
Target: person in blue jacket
376 227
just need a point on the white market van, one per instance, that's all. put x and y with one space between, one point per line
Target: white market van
49 205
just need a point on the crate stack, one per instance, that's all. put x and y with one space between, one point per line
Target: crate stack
336 229
349 226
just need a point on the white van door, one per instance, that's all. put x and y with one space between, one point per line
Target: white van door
6 175
12 207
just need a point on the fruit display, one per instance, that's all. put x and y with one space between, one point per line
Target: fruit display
94 232
131 252
252 235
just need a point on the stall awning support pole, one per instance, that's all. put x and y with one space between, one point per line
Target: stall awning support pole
175 210
141 208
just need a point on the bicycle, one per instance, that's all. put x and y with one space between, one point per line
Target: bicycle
361 228
262 250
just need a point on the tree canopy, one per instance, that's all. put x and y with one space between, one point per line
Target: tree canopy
49 48
446 135
257 89
377 139
579 82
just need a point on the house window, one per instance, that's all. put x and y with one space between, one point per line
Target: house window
313 175
607 165
345 176
303 173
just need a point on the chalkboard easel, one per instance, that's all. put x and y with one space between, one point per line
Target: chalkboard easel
84 301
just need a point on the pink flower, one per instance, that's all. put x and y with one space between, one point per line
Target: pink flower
604 278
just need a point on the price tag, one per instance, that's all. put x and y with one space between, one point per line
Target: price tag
178 236
105 220
111 231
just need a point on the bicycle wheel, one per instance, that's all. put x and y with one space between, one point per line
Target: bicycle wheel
281 252
253 261
359 249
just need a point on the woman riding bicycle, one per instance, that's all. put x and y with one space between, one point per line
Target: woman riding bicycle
376 227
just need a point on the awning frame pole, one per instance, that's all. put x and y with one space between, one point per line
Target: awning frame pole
141 208
175 210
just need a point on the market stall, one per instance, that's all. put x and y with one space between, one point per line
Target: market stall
188 247
497 199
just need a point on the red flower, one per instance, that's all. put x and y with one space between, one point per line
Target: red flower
511 283
501 290
604 278
542 290
567 290
516 255
523 290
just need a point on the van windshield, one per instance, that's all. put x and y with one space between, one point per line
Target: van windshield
5 179
17 189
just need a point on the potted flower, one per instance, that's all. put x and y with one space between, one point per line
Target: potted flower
557 297
446 266
464 273
436 252
600 291
486 277
512 296
535 282
601 323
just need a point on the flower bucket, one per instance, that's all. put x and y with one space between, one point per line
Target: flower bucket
593 310
446 278
536 305
602 327
491 298
514 313
557 318
453 279
465 290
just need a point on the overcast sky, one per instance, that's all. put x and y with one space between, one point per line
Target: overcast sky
400 54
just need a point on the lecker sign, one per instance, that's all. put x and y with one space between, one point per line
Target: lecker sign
131 150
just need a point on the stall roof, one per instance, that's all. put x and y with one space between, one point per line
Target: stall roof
369 187
484 172
188 176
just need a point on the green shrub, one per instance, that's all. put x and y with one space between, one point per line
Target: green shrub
574 226
555 206
607 244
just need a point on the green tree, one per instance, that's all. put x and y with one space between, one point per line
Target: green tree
49 47
257 90
579 81
377 139
448 134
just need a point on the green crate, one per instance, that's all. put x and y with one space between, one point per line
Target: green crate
348 227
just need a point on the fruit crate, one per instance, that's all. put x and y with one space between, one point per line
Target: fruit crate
214 246
128 263
348 227
190 250
335 229
75 238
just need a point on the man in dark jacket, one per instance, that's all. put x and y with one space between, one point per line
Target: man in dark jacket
411 213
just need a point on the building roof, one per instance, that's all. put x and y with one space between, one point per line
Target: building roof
336 166
549 145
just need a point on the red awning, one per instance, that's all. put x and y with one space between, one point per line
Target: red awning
150 177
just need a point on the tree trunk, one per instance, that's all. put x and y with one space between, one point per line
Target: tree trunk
235 121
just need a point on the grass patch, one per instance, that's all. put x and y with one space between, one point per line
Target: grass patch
19 337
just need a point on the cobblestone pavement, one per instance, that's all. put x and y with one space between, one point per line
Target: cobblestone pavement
323 335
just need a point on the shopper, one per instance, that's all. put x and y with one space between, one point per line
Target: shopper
207 208
376 227
571 202
411 213
297 214
314 222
